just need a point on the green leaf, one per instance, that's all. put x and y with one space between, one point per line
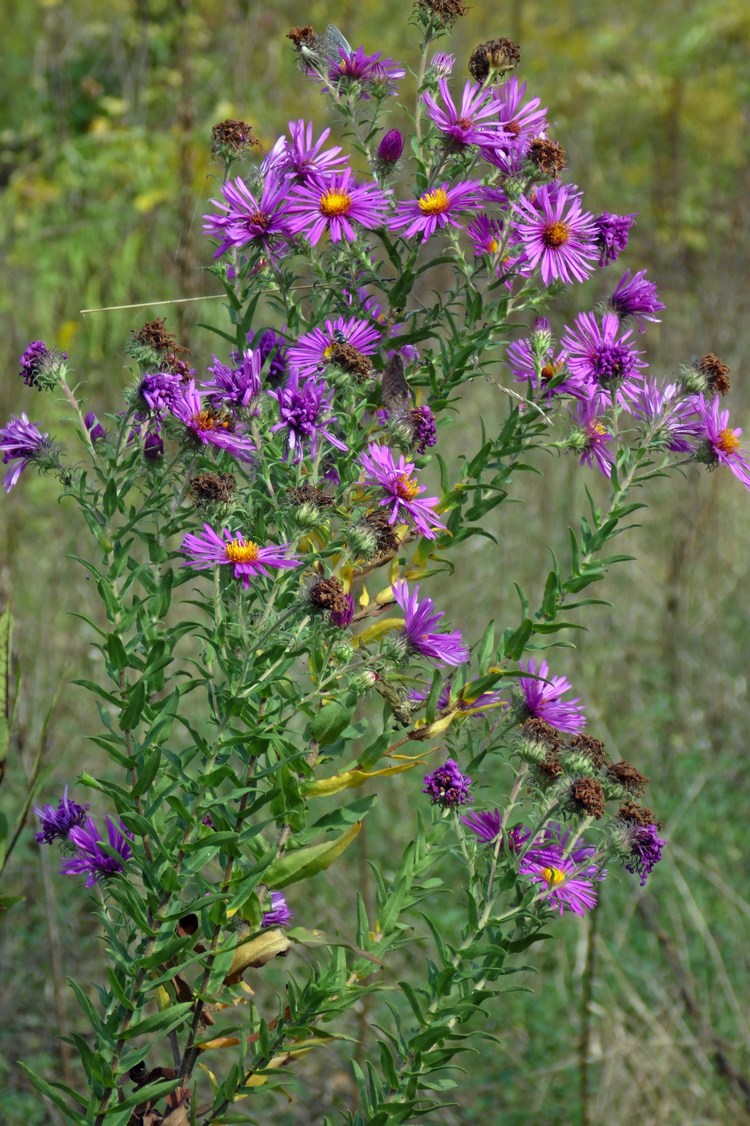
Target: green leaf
53 1092
306 862
150 1093
162 1022
327 724
134 710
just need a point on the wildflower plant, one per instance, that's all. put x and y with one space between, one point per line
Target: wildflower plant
265 517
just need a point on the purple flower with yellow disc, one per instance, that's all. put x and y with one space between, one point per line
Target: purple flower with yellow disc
401 488
589 436
210 549
556 234
209 425
314 349
91 859
55 822
437 208
563 884
520 120
419 619
718 443
542 698
333 204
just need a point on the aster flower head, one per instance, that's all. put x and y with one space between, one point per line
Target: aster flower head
303 157
717 442
402 490
602 354
645 846
336 205
55 822
447 786
442 64
542 698
520 120
612 233
556 234
562 882
390 149
271 347
209 549
473 123
356 72
589 436
534 361
437 208
158 391
636 297
486 235
305 414
667 412
279 914
91 859
42 367
247 220
419 619
316 348
423 429
235 386
484 824
22 443
209 425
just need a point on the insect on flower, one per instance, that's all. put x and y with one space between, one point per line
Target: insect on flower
322 51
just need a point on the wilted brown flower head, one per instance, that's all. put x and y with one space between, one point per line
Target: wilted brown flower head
302 36
592 748
308 494
587 796
230 138
329 594
352 361
154 335
628 777
637 814
441 15
212 488
493 59
548 156
715 372
385 538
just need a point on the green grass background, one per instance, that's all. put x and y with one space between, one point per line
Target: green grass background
105 113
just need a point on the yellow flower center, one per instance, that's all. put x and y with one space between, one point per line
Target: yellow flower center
597 428
553 877
728 442
556 234
405 488
335 202
209 420
494 246
434 202
242 551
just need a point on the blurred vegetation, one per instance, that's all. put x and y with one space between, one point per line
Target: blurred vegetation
105 113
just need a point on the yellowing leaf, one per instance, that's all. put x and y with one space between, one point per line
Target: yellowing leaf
364 598
350 780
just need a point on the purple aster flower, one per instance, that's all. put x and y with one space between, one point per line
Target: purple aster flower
238 386
368 73
717 443
333 204
486 235
560 879
21 442
668 412
280 914
521 121
272 348
487 825
637 298
210 426
90 859
343 618
213 550
612 232
475 123
421 422
391 147
555 837
56 822
590 436
419 619
447 786
542 698
442 64
42 367
96 431
466 702
401 489
303 157
305 414
555 234
437 208
247 220
153 446
313 350
645 850
531 362
601 354
159 390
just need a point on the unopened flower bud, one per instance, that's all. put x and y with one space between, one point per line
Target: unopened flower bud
391 147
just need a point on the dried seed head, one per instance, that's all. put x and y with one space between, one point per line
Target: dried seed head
637 814
352 361
440 15
386 540
591 748
493 59
309 494
212 488
628 777
716 373
548 156
230 138
587 796
328 594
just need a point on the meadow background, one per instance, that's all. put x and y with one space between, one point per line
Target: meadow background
105 115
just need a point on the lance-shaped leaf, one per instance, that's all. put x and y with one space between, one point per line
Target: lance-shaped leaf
351 779
306 862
